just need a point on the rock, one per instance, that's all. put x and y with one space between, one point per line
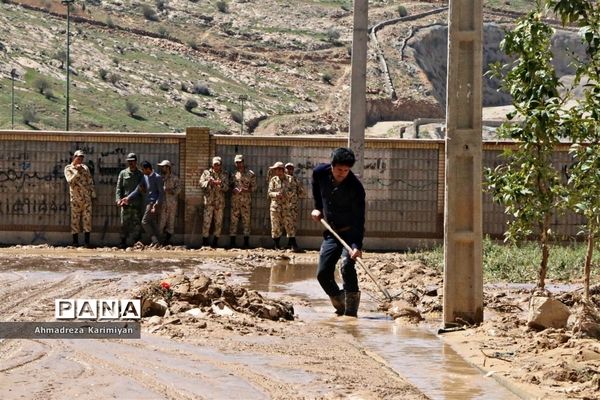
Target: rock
402 309
195 312
154 320
221 308
546 312
152 307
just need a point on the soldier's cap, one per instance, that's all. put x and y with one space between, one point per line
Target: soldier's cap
164 163
289 165
216 160
131 157
79 153
278 164
238 158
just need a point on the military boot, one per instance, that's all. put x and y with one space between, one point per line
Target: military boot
246 242
215 242
205 242
86 240
232 242
277 244
75 239
293 245
352 302
339 303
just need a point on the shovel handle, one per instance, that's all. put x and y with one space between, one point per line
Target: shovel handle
358 259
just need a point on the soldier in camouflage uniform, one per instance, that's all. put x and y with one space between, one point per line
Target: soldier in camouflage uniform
132 211
279 187
169 209
81 193
296 192
243 184
215 183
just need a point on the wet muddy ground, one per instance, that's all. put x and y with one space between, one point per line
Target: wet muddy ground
218 355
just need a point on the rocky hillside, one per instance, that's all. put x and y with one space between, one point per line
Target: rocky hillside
163 65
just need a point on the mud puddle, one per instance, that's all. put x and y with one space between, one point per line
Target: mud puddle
415 353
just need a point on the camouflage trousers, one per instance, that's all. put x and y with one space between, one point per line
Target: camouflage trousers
291 215
131 223
81 214
240 209
280 220
167 217
212 214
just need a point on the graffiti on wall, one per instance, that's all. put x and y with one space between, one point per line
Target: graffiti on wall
33 189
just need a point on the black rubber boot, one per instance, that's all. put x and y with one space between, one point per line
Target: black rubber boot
339 303
352 302
123 244
75 239
293 245
215 242
168 237
204 242
246 242
277 243
232 242
86 239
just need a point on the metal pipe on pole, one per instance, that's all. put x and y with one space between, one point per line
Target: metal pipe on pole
68 4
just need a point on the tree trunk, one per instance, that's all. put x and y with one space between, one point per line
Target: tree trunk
545 252
588 262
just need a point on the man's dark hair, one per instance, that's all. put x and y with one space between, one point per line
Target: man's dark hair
343 156
146 164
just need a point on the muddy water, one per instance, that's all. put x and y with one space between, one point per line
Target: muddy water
415 353
157 367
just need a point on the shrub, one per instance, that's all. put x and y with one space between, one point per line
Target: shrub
41 85
402 11
193 44
222 6
132 108
164 86
202 89
332 35
61 55
103 74
30 115
114 78
109 22
190 104
49 94
236 116
163 32
161 5
327 78
149 13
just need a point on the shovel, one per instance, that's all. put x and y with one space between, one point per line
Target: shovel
358 259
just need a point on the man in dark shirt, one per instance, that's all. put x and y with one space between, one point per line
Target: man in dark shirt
340 199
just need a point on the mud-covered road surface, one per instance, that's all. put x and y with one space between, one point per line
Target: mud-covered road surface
198 351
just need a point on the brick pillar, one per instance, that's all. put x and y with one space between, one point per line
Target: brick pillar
196 159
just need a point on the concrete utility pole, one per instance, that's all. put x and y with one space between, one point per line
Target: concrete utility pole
463 275
358 88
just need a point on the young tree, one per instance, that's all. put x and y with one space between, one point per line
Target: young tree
527 184
584 123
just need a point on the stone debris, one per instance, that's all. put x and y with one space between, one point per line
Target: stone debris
199 296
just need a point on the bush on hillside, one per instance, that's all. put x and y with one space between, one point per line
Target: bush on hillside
132 108
149 13
332 35
402 12
41 85
30 115
190 104
202 89
222 6
103 74
236 116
